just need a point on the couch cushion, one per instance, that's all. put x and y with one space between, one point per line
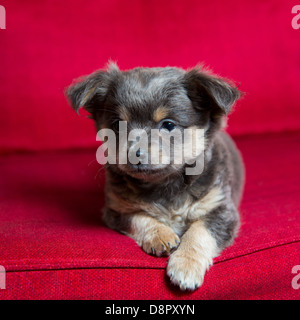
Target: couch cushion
250 42
54 245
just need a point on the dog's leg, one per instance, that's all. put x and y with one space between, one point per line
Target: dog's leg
203 241
188 264
153 236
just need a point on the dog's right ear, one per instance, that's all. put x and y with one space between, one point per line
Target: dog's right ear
90 91
212 92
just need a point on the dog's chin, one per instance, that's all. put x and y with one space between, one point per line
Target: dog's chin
149 175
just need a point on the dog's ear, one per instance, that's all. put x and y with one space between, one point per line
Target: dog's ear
90 91
209 91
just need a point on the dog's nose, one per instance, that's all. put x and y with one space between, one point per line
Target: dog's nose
137 155
141 154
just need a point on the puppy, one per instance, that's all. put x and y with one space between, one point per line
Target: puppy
191 217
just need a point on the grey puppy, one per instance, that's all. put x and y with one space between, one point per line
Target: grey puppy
192 218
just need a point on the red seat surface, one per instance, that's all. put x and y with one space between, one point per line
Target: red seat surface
54 245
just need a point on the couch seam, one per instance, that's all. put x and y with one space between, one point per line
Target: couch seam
145 267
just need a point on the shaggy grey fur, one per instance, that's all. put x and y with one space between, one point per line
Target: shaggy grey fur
192 98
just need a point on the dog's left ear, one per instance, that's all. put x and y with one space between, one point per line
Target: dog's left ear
209 91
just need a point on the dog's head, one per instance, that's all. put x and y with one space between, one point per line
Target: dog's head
169 100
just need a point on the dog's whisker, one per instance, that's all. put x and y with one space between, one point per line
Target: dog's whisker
94 160
99 171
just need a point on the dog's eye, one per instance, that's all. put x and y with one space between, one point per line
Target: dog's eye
168 125
115 123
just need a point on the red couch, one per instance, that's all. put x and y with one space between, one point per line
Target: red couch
53 244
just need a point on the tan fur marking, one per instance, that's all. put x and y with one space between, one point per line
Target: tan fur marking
160 113
87 96
208 203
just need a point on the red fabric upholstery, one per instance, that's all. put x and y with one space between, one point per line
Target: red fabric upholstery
49 43
54 246
52 241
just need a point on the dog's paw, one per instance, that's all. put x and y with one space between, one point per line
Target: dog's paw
160 241
187 271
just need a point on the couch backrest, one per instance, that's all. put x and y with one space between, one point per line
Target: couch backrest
46 44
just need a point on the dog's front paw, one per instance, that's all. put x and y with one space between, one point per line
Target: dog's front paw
160 241
187 271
